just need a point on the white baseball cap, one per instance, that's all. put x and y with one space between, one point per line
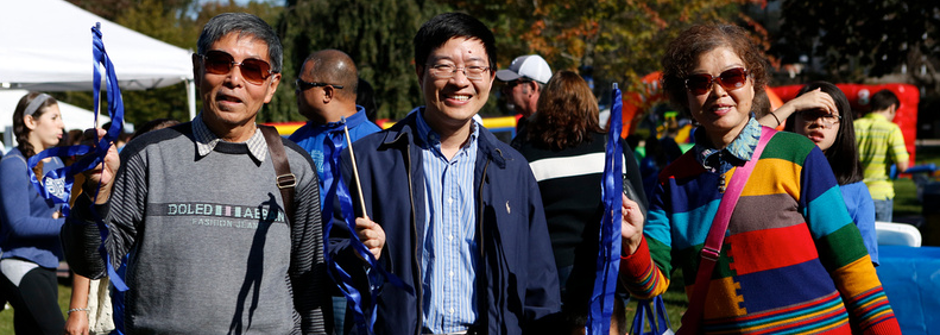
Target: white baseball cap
530 66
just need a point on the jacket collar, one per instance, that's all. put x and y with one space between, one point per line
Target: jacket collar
352 122
405 131
738 151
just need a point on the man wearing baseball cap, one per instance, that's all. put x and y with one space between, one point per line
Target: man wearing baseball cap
525 78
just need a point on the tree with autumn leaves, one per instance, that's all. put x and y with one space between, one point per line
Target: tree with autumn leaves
620 41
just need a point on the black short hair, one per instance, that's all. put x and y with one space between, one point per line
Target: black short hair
440 29
245 25
884 99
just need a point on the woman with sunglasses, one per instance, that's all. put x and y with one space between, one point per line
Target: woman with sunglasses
789 260
833 133
29 224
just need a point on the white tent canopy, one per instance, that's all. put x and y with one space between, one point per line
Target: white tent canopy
73 117
47 47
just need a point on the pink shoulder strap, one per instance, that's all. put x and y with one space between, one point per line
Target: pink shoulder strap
691 321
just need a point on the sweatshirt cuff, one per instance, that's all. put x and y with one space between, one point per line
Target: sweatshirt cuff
889 326
637 264
82 209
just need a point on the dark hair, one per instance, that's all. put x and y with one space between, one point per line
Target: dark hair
883 99
245 25
152 125
567 113
682 55
19 126
334 67
22 132
843 154
440 29
365 97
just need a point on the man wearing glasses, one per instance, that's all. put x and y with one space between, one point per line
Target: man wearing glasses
452 211
326 95
525 78
199 209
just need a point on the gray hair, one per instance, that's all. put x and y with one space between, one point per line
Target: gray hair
244 24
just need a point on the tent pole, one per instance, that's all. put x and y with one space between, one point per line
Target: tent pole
191 98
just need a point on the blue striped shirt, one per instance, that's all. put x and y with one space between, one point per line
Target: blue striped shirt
447 256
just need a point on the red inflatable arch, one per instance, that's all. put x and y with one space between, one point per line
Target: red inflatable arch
859 94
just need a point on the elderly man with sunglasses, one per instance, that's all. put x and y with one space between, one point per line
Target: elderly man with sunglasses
326 95
214 246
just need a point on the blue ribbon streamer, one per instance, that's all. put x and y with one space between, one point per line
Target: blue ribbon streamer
608 260
364 313
654 315
116 112
57 184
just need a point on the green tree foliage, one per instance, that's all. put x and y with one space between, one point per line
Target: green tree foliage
868 38
177 22
622 40
377 34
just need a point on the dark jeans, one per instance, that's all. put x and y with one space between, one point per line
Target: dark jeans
35 303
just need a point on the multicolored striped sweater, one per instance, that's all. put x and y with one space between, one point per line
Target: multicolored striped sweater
792 260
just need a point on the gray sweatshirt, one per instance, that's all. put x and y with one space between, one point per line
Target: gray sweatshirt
211 249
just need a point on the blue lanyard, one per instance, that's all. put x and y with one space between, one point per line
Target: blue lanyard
57 184
608 260
364 311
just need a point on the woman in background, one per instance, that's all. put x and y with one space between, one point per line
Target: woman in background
29 234
832 131
565 146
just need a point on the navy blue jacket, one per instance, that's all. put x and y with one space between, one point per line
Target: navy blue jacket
518 268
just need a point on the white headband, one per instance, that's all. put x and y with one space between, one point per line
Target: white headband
34 105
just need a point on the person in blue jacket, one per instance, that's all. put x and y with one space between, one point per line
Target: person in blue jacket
450 210
29 223
327 89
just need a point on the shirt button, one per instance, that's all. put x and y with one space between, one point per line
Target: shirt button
450 237
451 274
450 200
451 311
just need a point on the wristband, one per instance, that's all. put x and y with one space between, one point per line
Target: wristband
775 118
78 309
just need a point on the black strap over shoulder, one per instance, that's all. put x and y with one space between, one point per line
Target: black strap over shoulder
285 179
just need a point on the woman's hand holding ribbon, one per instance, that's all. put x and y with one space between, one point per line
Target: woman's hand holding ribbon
631 226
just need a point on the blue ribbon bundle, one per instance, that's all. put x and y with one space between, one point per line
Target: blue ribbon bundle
364 313
57 184
655 316
608 260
